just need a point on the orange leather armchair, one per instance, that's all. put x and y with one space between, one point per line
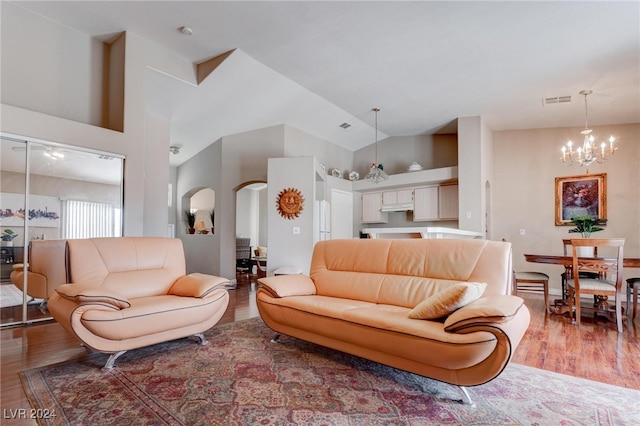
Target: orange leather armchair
47 269
126 293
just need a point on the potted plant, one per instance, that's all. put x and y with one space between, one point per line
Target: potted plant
585 225
7 237
191 221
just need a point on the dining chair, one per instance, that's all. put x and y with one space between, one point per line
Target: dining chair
607 282
633 286
243 256
532 282
568 274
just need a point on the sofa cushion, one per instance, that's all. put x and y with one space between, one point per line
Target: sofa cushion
405 272
150 315
447 301
197 285
84 294
153 263
487 310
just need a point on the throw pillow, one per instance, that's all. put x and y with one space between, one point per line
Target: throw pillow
447 301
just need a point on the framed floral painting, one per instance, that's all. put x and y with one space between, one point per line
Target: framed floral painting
584 195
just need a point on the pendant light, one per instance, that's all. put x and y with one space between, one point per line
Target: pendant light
376 174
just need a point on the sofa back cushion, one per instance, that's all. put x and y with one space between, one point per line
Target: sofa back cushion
49 258
130 266
405 272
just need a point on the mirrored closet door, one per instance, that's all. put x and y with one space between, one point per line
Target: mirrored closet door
48 192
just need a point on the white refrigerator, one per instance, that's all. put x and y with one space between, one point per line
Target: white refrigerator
321 221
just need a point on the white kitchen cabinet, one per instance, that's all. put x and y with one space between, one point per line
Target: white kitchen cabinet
425 203
371 208
399 197
448 202
435 203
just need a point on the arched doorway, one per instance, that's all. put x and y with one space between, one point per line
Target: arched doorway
250 220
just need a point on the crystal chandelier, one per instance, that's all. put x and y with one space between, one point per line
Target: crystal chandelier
588 152
376 174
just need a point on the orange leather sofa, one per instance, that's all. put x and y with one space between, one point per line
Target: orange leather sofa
359 293
126 293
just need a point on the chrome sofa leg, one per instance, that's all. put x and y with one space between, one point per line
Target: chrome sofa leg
203 340
112 360
466 398
276 338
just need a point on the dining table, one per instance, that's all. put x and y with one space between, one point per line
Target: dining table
627 262
560 306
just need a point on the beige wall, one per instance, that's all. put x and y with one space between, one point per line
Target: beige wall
526 163
396 153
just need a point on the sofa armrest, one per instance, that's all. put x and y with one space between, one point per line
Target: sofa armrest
197 285
92 295
18 267
288 285
484 311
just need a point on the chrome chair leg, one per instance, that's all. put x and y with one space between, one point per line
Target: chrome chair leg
276 338
466 398
203 340
112 360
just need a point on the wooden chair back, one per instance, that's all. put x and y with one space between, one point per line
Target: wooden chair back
607 268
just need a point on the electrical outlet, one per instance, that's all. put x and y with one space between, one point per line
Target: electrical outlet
296 230
522 232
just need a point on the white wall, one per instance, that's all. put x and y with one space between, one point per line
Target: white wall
247 215
285 247
471 154
245 159
50 68
301 144
202 171
66 111
155 193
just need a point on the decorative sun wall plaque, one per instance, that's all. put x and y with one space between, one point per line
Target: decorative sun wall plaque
290 203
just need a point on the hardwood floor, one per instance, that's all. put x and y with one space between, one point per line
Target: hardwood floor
594 351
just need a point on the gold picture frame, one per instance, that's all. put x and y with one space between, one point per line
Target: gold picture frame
584 195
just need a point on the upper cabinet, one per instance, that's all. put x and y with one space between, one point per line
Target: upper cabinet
435 203
372 208
425 204
403 196
398 200
448 202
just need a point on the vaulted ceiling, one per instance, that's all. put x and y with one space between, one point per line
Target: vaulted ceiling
315 65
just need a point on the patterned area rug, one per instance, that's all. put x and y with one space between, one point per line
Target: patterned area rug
241 378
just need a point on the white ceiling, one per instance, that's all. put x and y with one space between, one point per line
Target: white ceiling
315 65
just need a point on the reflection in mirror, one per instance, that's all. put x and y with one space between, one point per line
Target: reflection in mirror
12 185
71 193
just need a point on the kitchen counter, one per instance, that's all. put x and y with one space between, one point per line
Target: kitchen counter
420 232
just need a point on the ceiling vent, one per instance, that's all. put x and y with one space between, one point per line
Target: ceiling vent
345 125
556 100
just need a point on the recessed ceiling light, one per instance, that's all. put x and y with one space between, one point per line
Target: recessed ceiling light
185 30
